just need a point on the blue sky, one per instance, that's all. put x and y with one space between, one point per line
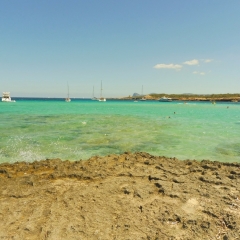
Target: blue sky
166 46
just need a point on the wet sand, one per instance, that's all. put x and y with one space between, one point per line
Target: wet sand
128 196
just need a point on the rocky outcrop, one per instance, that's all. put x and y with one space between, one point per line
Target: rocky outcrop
128 196
136 95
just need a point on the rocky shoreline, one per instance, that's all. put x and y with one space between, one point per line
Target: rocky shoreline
127 196
187 99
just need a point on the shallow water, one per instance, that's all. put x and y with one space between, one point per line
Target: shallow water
35 129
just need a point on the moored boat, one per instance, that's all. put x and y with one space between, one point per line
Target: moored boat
165 99
6 97
143 98
101 99
93 97
68 99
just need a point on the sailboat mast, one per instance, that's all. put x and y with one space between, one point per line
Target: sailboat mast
101 99
67 99
68 90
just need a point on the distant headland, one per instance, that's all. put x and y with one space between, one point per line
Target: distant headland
228 97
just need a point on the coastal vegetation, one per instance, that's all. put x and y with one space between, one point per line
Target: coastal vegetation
191 97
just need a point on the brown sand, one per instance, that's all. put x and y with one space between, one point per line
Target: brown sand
128 196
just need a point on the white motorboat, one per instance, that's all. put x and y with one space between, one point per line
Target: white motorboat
6 97
165 99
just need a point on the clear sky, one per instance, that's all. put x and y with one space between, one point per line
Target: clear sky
166 46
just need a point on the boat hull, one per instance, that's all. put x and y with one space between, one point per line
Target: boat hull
7 100
165 99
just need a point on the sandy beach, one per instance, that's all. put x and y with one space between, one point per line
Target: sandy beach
127 196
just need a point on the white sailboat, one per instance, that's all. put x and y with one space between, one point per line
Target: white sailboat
94 98
101 99
142 99
68 99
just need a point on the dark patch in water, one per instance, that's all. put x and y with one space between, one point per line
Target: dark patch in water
229 149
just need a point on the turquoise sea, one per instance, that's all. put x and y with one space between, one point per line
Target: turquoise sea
36 129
